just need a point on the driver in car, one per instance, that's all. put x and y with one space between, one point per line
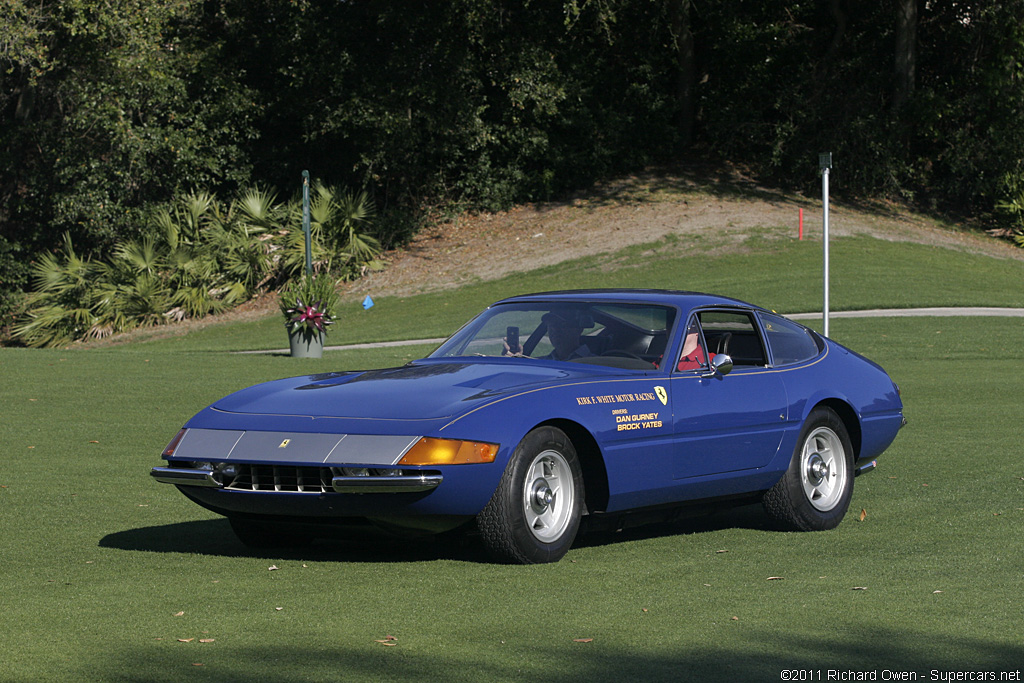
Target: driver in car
564 330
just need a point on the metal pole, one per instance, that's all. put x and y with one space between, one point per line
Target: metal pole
824 194
305 222
825 162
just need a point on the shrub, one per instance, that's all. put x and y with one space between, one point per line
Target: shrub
198 256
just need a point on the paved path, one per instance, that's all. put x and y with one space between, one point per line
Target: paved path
917 313
370 345
975 311
384 345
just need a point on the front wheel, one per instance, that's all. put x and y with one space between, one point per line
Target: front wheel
535 512
815 491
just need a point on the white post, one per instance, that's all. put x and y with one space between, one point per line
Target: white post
825 161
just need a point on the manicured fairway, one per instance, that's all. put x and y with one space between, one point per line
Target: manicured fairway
781 274
108 576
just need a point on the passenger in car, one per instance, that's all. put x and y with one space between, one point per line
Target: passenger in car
693 356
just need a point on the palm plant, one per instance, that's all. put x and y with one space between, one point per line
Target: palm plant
291 257
77 298
192 213
125 299
1013 208
199 257
60 309
353 212
131 289
259 211
339 243
216 259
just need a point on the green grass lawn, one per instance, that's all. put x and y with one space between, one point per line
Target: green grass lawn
105 572
781 274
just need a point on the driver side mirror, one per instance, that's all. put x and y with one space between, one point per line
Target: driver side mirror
721 364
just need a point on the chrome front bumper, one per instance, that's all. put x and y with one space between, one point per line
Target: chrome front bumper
340 484
183 477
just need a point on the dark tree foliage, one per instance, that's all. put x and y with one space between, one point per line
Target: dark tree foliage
969 147
478 101
788 80
108 108
928 111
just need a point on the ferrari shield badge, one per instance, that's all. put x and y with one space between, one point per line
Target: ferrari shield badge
662 395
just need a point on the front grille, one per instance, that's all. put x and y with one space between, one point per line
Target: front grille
282 478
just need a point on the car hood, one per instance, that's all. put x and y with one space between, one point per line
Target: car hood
418 391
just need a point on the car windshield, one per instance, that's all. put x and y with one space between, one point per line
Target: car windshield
629 336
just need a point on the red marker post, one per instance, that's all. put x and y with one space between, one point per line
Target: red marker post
801 224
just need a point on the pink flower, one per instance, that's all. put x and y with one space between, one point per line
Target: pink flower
309 316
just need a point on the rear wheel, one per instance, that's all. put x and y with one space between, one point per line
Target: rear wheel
815 491
535 513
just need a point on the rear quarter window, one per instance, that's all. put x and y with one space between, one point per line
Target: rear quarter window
789 342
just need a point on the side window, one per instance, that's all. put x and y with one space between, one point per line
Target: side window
693 355
733 333
790 343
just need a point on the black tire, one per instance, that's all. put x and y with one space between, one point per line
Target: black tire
268 535
815 492
535 513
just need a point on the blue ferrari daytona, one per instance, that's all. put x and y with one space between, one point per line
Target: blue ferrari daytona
546 410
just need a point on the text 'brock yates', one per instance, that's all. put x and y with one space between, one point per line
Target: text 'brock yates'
638 421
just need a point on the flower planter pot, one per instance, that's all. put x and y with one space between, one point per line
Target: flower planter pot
306 344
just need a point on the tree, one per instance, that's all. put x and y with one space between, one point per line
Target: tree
684 43
110 106
905 67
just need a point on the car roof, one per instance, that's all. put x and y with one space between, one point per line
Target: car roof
683 299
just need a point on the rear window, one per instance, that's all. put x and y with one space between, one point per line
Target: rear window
790 343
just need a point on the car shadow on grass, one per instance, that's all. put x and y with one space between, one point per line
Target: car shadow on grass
372 544
356 544
685 521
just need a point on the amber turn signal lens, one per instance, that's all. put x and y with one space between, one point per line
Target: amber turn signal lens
169 451
430 451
